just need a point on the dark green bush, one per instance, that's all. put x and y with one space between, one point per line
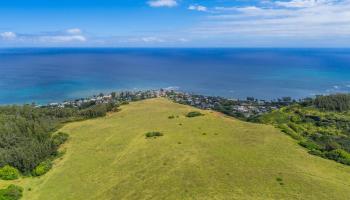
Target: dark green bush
331 145
42 168
316 152
171 117
153 134
99 110
194 114
9 173
339 155
345 161
59 139
309 145
12 192
279 179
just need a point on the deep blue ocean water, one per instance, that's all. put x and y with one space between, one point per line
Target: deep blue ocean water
49 75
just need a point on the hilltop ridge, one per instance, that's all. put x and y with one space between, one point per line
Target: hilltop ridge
205 157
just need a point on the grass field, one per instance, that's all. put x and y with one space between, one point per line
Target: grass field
205 157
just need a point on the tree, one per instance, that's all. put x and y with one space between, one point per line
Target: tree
113 94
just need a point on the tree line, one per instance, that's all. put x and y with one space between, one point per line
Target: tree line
27 133
334 102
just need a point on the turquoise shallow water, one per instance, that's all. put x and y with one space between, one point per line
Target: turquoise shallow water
48 75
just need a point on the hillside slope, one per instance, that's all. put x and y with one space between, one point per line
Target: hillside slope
206 157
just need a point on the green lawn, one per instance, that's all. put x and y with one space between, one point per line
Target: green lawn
205 157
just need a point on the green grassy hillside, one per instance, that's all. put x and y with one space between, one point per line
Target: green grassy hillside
204 157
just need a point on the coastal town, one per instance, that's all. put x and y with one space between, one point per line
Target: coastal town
244 109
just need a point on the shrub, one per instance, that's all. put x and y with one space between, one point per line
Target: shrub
331 145
316 152
194 114
344 161
275 117
153 134
12 192
294 127
309 145
124 103
59 139
285 129
99 110
295 119
59 154
339 155
171 117
280 180
9 173
42 168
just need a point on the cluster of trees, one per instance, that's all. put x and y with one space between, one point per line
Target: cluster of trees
98 110
12 192
27 133
335 102
317 125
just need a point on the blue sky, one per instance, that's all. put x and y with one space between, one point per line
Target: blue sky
175 23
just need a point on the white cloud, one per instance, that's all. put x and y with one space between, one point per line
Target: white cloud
247 8
151 39
198 8
62 38
68 36
162 3
172 88
183 40
74 31
296 18
147 40
8 35
303 3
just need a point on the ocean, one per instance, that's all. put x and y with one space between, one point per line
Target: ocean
44 75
